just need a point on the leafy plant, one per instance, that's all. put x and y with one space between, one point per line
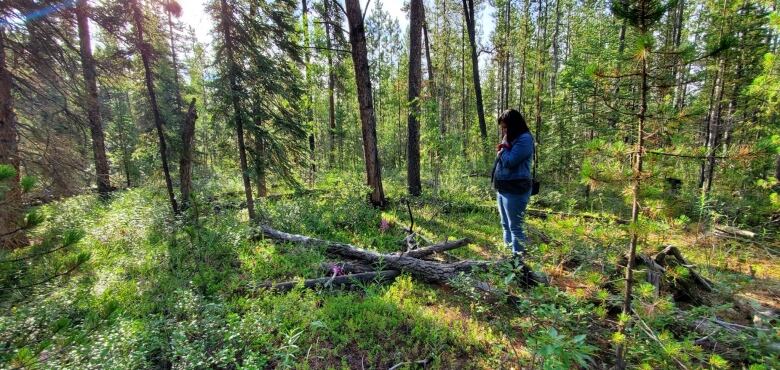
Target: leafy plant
560 351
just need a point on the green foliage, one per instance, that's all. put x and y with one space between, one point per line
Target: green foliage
27 183
6 172
559 351
641 14
33 218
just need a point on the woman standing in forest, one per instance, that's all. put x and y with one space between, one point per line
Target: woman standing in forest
512 178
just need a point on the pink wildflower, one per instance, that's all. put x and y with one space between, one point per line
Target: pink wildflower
384 225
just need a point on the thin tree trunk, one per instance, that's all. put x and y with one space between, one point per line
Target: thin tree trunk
399 122
526 43
309 108
185 161
357 38
145 49
431 80
260 167
436 154
123 140
613 119
468 12
541 43
677 74
507 56
331 88
713 129
11 209
635 191
102 168
777 168
413 99
556 49
443 87
235 92
464 121
175 63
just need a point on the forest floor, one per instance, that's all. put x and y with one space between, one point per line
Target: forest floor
144 290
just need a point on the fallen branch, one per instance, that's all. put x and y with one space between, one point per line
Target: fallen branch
730 231
345 267
418 362
429 271
437 248
391 264
342 282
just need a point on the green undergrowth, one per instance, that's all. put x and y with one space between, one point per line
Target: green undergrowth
141 289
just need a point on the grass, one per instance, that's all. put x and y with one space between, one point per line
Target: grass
158 292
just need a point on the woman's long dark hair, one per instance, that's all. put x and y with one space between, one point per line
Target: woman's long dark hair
515 124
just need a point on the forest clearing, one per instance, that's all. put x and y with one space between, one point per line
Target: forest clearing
421 184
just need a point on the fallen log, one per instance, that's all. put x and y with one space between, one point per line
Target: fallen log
436 248
724 230
345 268
340 282
390 264
428 271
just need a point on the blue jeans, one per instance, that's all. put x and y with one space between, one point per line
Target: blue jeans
511 207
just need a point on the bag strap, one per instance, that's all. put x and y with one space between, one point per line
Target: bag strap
493 172
533 175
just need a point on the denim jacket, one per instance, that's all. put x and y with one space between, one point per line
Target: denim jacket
515 163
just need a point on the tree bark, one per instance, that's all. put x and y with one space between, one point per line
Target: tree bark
185 162
235 92
413 99
357 39
11 209
145 49
468 13
102 169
